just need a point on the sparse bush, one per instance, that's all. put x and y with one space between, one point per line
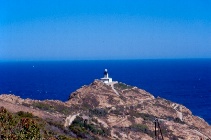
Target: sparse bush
52 107
25 114
123 98
118 111
43 106
158 104
24 126
90 102
118 134
99 112
25 104
177 120
17 127
122 86
141 128
63 137
83 128
147 116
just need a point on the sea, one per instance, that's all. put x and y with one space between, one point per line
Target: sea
184 81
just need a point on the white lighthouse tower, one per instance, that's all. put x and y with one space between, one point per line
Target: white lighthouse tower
106 78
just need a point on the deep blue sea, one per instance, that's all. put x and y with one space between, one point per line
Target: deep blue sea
185 81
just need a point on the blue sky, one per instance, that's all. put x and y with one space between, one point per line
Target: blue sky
104 29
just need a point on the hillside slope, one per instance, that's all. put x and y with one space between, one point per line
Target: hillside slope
130 114
115 111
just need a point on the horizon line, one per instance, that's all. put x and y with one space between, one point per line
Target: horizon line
36 60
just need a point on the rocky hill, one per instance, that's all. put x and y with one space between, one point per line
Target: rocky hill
111 111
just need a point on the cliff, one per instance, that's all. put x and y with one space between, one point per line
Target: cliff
115 111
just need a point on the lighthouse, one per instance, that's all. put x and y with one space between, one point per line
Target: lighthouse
106 78
106 73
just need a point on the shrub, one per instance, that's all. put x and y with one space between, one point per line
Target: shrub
141 128
43 106
25 114
63 137
99 112
24 126
147 116
52 107
28 129
83 128
15 127
177 120
90 102
122 86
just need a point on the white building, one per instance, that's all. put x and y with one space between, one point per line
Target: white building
106 79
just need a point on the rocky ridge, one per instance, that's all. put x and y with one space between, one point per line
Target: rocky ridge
115 111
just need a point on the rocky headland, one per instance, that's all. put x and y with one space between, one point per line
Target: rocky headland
104 111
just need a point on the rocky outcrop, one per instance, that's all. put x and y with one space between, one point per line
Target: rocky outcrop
130 113
115 111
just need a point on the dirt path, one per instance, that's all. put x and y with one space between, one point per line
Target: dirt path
70 119
179 114
112 86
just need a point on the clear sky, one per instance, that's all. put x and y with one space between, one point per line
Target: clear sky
104 29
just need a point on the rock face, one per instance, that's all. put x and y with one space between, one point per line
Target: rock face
115 111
